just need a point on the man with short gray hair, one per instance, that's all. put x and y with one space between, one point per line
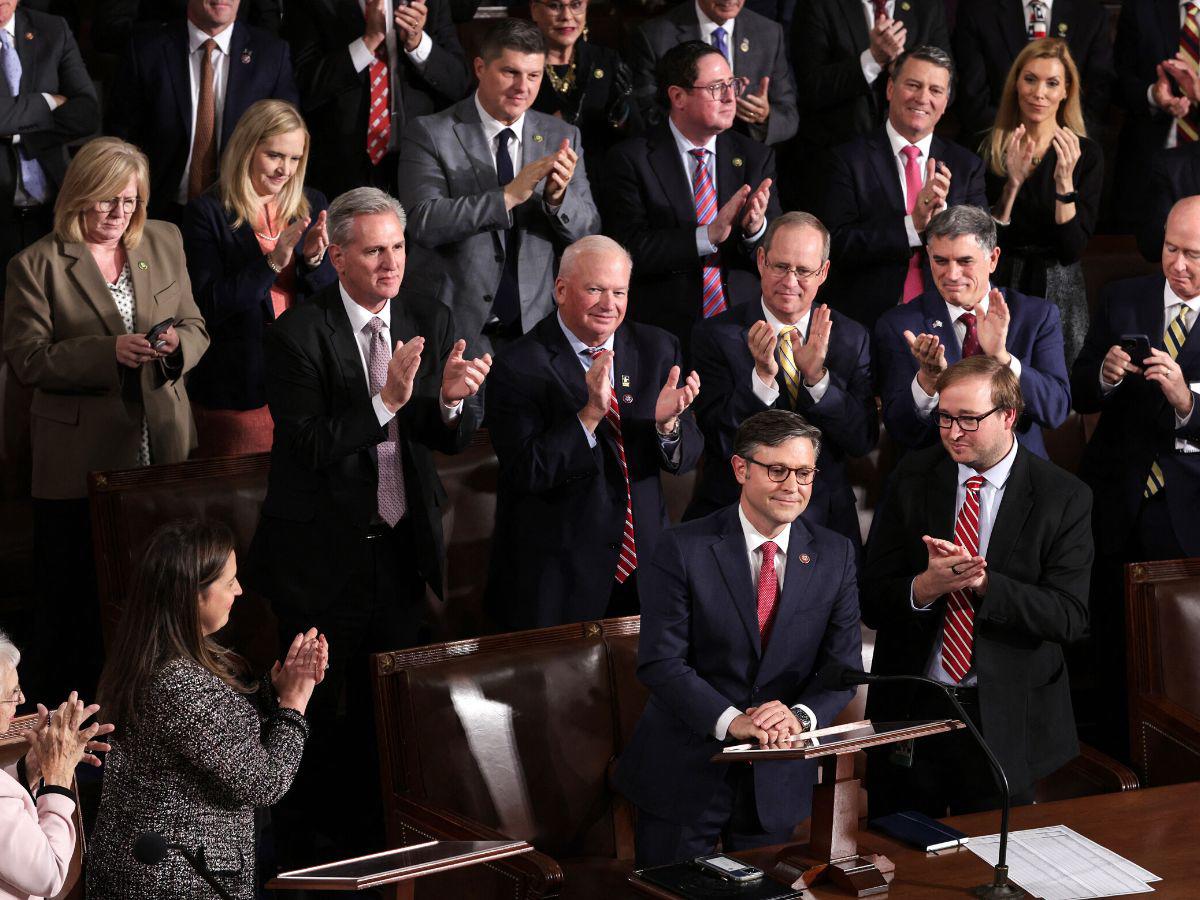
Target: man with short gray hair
962 316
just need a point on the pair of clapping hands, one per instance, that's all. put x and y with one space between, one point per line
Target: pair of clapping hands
951 568
59 741
672 400
556 170
809 355
461 378
302 669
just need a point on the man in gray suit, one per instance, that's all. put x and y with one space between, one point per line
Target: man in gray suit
493 192
754 47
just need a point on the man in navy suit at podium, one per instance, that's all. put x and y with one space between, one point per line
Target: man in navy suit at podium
740 609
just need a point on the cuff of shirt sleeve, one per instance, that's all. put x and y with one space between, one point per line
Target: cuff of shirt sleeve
50 101
424 48
912 598
767 394
914 239
57 789
1014 365
817 391
1181 421
721 731
451 413
381 410
1105 387
1150 98
703 245
588 433
360 56
870 68
923 402
812 716
757 236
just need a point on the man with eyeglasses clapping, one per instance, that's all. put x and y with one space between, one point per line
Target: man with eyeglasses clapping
787 352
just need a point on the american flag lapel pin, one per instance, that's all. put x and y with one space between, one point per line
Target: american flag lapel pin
247 55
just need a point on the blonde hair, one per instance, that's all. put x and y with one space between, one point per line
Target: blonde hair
262 120
1008 116
100 171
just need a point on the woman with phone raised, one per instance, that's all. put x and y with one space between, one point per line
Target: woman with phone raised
255 246
80 303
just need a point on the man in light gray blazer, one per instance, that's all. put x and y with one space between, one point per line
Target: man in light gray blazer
494 193
754 47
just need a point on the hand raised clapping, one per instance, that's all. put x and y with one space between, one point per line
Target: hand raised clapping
301 670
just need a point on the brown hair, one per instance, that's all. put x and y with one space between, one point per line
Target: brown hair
1008 116
100 171
262 120
1006 389
162 617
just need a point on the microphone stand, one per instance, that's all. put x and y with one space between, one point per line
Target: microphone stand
196 861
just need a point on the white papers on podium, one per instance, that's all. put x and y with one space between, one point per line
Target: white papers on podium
1057 863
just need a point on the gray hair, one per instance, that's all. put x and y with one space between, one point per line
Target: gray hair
362 201
772 428
797 219
592 245
8 651
959 221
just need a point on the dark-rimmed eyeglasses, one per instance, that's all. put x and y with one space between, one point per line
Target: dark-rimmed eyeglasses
718 89
779 473
945 421
127 205
574 7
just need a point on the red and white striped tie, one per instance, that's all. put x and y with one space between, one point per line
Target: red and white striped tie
627 561
705 196
958 631
379 117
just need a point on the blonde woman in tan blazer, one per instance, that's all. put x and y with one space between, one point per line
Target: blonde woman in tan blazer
80 302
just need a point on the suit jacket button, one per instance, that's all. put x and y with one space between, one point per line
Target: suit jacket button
612 545
487 298
565 218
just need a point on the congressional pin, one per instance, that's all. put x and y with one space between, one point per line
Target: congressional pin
29 35
627 398
599 73
1062 28
624 381
537 138
738 162
745 45
246 56
143 265
905 6
805 558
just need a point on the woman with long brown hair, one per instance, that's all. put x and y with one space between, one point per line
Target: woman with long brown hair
1044 178
200 744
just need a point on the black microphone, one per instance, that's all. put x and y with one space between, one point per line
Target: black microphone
151 848
838 677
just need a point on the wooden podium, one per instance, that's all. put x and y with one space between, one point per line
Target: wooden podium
832 850
401 866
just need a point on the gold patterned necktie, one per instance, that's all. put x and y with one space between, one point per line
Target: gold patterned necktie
787 362
1173 339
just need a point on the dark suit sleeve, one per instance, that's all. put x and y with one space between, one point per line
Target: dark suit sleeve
1086 396
825 79
897 368
642 60
1072 236
78 117
1045 385
1132 84
126 102
285 80
887 574
655 251
1164 191
976 178
222 289
421 418
323 76
726 397
973 101
1096 75
864 229
846 413
781 94
445 71
684 455
1055 608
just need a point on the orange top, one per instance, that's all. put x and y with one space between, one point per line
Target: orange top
283 291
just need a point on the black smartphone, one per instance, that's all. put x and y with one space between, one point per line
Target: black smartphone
155 334
1137 346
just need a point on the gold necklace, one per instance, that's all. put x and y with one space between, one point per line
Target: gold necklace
562 84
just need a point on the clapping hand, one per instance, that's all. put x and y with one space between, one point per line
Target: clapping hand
599 386
1067 153
401 373
992 327
317 239
301 670
285 247
561 171
930 354
755 211
59 742
1184 72
522 186
462 378
1018 156
1164 97
34 738
762 340
932 197
949 568
673 399
754 109
887 38
810 356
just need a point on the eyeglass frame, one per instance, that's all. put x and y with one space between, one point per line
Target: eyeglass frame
813 470
556 8
17 699
112 203
951 421
801 275
736 86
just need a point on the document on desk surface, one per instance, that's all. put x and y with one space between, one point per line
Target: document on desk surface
1058 863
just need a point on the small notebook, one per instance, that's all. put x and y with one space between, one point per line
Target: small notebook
920 831
693 883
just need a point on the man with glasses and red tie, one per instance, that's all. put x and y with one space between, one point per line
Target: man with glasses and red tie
691 199
740 609
976 576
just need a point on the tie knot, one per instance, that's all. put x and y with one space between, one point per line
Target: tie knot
209 46
593 352
506 135
968 319
718 33
910 153
700 153
5 39
374 326
974 483
768 551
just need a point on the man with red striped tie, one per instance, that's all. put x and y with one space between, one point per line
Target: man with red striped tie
976 576
584 413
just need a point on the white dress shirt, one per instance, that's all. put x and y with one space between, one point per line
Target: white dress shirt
898 143
361 58
220 61
990 496
708 26
754 542
870 68
769 393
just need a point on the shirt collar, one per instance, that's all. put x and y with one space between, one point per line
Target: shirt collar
708 26
754 540
899 142
998 474
1170 298
196 38
685 146
11 27
801 325
360 316
955 312
577 345
493 127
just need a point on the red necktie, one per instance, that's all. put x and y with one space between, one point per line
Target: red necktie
1189 48
768 592
970 343
379 117
627 561
958 630
705 197
880 8
914 279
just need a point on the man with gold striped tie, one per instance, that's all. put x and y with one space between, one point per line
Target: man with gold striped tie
1143 461
787 352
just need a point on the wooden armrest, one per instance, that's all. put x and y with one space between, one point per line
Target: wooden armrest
1091 772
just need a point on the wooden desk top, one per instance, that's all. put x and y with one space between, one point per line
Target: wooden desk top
1155 828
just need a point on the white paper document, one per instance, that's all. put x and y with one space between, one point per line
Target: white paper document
1057 863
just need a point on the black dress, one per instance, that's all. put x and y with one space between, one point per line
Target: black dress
598 102
1040 257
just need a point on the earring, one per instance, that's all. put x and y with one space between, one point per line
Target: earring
584 33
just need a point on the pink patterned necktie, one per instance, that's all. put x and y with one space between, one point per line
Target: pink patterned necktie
768 592
914 279
389 491
705 196
970 342
627 559
958 630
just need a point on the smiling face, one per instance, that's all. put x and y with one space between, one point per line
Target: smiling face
108 227
982 449
1041 90
593 294
509 83
772 506
7 8
274 162
694 111
787 296
917 97
721 11
371 264
562 26
216 600
212 16
961 268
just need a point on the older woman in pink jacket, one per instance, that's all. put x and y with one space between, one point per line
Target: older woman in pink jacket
37 836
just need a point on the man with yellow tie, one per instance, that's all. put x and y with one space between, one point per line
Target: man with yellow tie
1143 461
787 352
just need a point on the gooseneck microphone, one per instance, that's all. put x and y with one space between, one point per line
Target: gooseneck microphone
151 848
837 677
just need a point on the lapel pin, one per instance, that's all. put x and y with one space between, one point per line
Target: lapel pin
1062 27
599 73
624 381
936 323
905 6
537 138
247 56
627 398
29 35
737 162
143 265
805 558
744 46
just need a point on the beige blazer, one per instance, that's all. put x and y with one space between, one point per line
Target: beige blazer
60 332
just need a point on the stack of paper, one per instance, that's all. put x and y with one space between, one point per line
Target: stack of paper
1057 863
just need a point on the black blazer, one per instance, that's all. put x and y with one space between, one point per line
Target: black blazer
989 34
647 206
113 27
321 494
1174 174
846 413
232 282
1039 564
560 504
828 37
151 102
336 98
1137 424
51 64
864 211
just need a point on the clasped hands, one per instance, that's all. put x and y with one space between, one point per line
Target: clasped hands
302 669
951 567
672 400
991 328
59 742
770 724
809 355
461 378
408 18
744 208
556 169
1185 76
1158 367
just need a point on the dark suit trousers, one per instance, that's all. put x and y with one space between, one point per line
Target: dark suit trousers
732 816
24 225
334 809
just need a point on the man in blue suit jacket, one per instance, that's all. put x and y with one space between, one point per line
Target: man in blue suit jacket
739 610
877 228
155 95
965 316
580 507
823 372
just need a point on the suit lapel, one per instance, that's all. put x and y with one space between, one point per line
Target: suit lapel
28 51
856 25
1061 15
886 172
687 26
469 131
935 320
92 288
903 12
1168 20
1013 512
241 68
562 360
942 497
797 581
665 163
734 563
145 304
1012 24
626 372
731 169
176 60
346 352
